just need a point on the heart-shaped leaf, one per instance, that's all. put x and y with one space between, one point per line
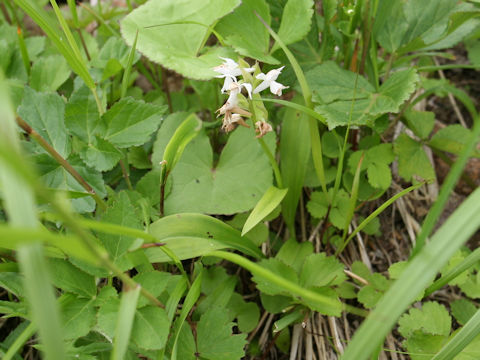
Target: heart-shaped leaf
235 184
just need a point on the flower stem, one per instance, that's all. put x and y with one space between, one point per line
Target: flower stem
273 162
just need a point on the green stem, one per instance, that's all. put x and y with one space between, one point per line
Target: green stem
64 163
26 334
273 162
97 100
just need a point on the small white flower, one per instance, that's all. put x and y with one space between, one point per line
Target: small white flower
269 81
229 70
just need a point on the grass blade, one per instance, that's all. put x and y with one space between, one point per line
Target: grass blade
21 210
126 315
269 201
190 300
186 229
461 339
417 275
466 264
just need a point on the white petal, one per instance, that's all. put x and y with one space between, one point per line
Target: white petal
248 86
229 62
261 76
227 83
249 70
276 88
261 87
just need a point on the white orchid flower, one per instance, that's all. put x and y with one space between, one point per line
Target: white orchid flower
229 70
269 81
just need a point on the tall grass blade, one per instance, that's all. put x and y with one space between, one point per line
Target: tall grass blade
126 315
21 211
416 276
128 69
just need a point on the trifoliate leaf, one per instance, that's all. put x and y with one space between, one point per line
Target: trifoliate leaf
412 160
420 122
431 319
319 270
214 337
294 253
451 138
278 268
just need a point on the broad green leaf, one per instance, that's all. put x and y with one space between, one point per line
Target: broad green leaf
71 279
368 296
319 270
153 281
329 82
421 346
420 122
331 308
294 155
107 316
49 73
451 138
412 159
243 31
44 112
296 21
81 114
78 317
100 155
131 122
269 201
214 337
390 25
121 212
241 176
336 104
150 328
192 235
126 314
172 33
56 177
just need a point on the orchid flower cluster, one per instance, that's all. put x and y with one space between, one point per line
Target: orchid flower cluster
232 111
